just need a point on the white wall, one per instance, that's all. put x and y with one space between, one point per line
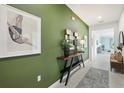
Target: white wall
95 46
121 22
113 25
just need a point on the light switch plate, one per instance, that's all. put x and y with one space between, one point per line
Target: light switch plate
38 78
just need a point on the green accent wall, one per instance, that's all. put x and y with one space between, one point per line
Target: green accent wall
22 71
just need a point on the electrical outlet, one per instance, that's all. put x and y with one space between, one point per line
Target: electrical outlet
38 78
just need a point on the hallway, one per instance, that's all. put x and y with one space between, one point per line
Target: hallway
116 79
102 61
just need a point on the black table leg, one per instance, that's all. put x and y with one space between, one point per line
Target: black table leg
79 61
69 72
82 61
63 72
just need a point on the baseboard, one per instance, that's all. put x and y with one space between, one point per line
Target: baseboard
58 81
54 84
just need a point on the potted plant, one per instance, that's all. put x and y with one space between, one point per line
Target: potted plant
66 45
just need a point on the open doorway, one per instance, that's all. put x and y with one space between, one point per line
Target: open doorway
103 42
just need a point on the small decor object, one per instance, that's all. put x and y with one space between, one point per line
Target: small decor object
72 42
75 34
119 49
20 32
76 44
66 37
81 45
121 39
68 32
85 41
71 37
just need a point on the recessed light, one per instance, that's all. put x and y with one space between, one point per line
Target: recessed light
99 17
73 18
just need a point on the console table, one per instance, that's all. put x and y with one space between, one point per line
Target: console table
72 65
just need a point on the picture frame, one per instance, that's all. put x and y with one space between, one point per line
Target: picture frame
20 32
76 34
68 32
85 41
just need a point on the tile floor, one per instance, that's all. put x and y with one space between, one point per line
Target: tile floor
116 80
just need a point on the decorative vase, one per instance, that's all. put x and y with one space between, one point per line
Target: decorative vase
66 51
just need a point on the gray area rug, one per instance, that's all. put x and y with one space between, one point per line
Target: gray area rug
95 78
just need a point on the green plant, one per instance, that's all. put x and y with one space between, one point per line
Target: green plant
66 44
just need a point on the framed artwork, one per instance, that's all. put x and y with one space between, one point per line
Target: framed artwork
68 32
20 32
85 41
75 34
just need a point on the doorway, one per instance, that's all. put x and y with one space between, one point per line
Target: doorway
102 42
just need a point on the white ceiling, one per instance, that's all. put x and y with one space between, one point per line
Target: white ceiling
89 12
